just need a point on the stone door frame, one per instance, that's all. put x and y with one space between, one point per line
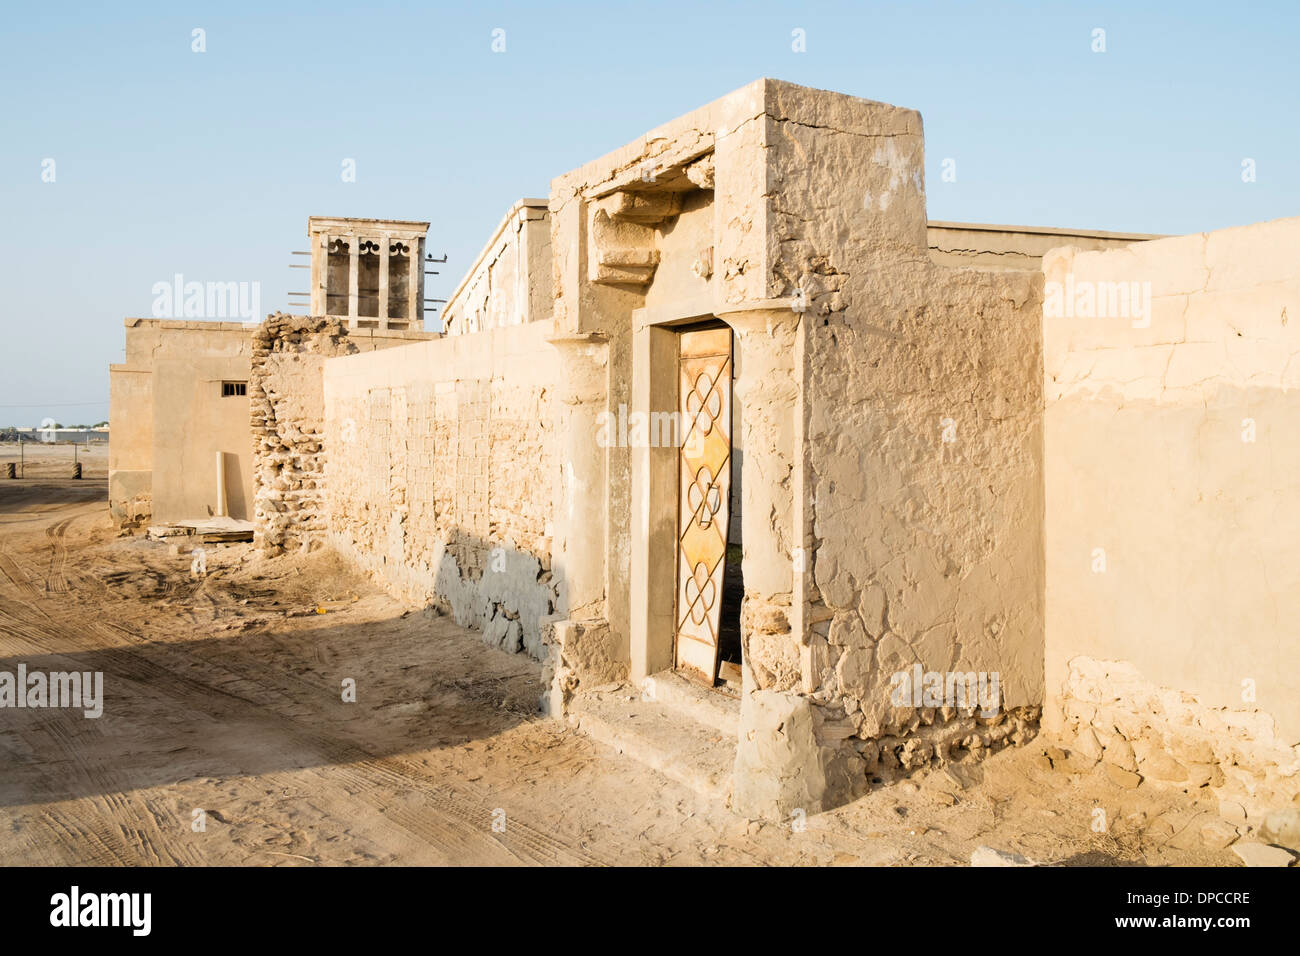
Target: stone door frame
764 350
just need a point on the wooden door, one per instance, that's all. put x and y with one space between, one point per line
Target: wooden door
704 493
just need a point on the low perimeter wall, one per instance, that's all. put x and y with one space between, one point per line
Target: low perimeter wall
1172 465
443 476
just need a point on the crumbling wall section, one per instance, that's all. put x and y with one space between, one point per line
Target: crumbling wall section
1146 734
286 413
443 484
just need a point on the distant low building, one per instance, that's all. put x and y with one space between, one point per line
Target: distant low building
181 397
50 435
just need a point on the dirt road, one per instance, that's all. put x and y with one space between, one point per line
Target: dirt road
225 737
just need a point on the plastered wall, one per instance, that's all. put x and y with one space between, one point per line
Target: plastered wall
1173 504
443 472
510 282
872 543
918 507
170 419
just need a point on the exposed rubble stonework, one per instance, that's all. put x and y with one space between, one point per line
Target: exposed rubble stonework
286 407
1169 738
286 412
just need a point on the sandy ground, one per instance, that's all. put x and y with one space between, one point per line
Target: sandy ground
223 695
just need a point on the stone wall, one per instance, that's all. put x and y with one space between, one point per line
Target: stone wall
286 418
444 481
286 412
1173 499
1147 734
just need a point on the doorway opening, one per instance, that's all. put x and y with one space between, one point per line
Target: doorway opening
710 584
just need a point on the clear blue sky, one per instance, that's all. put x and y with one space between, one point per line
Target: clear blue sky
209 164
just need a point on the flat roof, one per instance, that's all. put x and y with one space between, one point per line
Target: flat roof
1044 230
340 220
196 324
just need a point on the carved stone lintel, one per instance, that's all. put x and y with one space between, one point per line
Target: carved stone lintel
621 231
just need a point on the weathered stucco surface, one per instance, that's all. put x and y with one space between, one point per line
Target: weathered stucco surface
170 419
1173 499
925 501
920 499
442 474
870 543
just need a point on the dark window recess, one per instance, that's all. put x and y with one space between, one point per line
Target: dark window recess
229 389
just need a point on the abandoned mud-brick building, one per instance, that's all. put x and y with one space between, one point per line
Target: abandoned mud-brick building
725 417
183 395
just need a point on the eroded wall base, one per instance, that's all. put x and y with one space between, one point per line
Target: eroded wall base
130 499
795 754
441 480
577 654
1108 712
510 607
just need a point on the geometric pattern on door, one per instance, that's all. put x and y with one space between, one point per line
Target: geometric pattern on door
704 495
